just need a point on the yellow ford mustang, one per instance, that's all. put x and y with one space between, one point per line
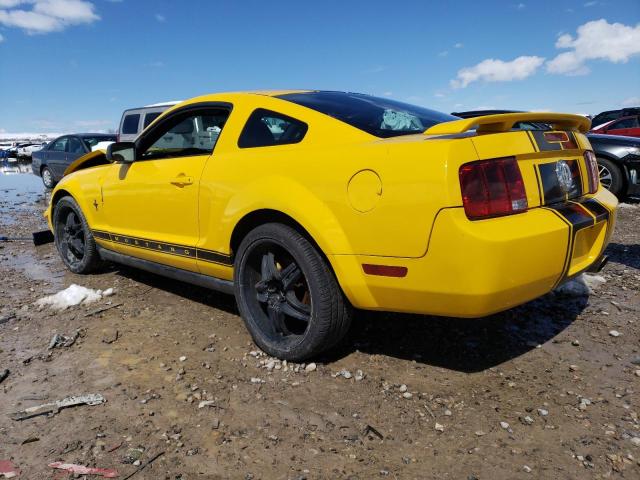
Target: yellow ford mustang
305 204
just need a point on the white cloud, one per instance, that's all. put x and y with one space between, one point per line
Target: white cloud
520 6
160 18
590 4
155 64
458 45
444 53
46 16
1 38
595 40
492 70
631 102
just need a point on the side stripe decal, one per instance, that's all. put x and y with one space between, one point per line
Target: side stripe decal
166 248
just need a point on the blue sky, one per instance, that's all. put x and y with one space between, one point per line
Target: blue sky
75 65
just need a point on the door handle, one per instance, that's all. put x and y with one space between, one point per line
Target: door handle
182 180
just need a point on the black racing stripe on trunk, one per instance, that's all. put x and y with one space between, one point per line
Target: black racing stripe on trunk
166 248
552 192
543 144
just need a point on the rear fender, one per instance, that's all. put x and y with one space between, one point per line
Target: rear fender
292 199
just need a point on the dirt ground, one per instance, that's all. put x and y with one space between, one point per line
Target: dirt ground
546 390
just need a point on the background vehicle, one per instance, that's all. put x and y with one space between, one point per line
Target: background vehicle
305 204
618 157
610 115
26 151
625 126
51 162
135 120
618 163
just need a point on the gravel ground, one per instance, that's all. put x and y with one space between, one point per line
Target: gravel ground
545 390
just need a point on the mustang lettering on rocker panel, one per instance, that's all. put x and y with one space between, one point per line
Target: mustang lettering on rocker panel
167 248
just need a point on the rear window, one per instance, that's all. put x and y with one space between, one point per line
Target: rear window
378 116
150 117
130 124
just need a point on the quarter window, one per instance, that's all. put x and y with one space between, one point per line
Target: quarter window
631 122
185 135
266 128
130 124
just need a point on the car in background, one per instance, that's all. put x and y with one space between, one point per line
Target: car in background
625 126
610 115
135 120
618 163
51 162
26 151
618 157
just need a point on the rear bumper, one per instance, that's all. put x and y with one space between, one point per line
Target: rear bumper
473 269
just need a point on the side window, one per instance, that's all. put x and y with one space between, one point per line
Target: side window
60 145
130 124
194 133
266 128
631 122
150 117
75 145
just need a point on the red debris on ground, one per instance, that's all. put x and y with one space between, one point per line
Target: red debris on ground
8 469
82 470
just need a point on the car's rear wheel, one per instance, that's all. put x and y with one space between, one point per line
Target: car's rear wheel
47 178
610 176
287 294
73 237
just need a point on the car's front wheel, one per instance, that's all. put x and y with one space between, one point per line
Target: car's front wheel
47 178
73 237
287 294
610 176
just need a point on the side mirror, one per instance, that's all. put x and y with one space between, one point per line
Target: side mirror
121 152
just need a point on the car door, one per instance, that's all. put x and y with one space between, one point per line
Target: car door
55 156
151 204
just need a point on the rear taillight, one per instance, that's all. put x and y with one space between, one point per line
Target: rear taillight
491 188
592 171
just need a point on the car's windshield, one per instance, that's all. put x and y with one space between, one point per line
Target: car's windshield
381 117
93 141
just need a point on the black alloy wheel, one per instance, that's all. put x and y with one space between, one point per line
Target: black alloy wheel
73 238
287 295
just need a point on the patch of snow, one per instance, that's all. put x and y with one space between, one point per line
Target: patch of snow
581 286
72 296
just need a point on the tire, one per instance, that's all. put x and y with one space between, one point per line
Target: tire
47 177
287 295
73 237
611 176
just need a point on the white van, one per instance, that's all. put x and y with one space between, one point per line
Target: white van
135 120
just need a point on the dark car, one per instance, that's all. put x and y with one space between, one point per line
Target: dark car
618 162
51 162
610 115
618 156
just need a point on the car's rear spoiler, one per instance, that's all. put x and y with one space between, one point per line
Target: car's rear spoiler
504 123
